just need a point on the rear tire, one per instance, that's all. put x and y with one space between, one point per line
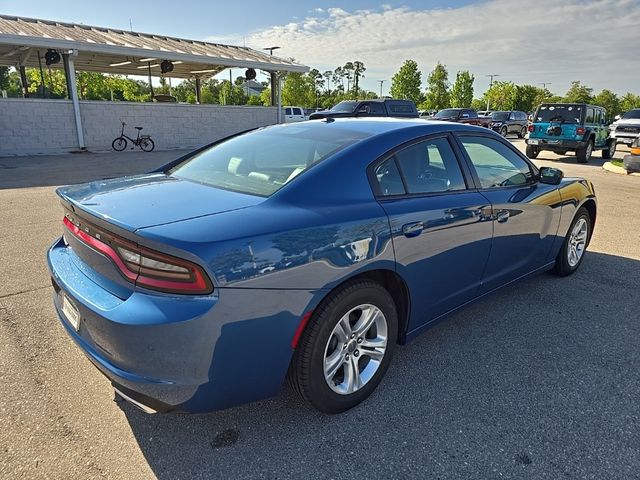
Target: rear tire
147 145
333 325
119 144
532 152
576 241
609 150
504 131
584 154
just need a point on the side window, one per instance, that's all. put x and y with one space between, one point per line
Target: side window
430 167
297 111
287 111
496 164
589 117
389 178
471 113
376 108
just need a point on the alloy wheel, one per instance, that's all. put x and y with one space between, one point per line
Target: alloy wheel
577 242
355 349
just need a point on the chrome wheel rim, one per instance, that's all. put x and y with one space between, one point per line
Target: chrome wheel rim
612 149
577 242
355 349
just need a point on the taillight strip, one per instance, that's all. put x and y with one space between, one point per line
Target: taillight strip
199 284
101 247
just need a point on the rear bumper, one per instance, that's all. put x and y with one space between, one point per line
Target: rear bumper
179 353
556 145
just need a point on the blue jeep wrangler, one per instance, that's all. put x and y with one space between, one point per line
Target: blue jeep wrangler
576 127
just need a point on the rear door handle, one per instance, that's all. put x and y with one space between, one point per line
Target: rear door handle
412 229
502 216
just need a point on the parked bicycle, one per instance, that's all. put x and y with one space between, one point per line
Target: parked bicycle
142 141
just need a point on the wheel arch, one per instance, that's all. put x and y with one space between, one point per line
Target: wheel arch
394 284
590 206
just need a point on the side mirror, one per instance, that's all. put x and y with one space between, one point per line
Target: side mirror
364 109
464 115
550 175
617 117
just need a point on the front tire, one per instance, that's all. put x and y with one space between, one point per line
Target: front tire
346 348
119 144
504 131
584 154
532 152
575 244
610 150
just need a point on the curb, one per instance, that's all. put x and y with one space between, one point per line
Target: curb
610 167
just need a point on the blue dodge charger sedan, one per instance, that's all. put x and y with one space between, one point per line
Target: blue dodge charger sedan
304 251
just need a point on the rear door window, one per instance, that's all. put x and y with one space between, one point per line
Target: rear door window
430 167
590 116
287 111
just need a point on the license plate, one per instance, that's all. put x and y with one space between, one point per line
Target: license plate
71 312
533 141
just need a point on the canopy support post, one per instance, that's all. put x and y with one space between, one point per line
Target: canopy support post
73 93
198 91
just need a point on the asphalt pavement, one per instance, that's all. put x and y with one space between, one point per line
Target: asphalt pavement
539 381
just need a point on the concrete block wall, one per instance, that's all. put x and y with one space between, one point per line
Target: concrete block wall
36 126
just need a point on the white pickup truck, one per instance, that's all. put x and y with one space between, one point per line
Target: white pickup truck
294 114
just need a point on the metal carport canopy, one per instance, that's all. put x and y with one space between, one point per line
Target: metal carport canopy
109 50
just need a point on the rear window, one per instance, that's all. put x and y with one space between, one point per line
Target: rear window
261 162
560 113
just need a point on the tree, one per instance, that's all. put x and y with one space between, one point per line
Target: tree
358 73
500 96
462 90
328 76
231 94
438 88
478 104
610 102
407 81
338 77
298 89
525 97
579 93
629 101
265 97
348 72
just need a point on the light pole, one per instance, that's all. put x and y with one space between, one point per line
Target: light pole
273 77
544 84
491 76
381 82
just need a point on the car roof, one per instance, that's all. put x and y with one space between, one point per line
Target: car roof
381 125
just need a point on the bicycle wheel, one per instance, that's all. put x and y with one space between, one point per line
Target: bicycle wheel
119 144
147 144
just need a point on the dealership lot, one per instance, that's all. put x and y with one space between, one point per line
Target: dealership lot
538 381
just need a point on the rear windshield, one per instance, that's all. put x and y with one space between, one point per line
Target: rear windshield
446 113
501 116
262 161
632 114
348 107
559 113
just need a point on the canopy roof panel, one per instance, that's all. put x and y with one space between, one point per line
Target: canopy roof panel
110 50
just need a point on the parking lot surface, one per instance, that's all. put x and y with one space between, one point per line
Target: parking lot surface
539 381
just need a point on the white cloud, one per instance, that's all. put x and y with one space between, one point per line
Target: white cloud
542 41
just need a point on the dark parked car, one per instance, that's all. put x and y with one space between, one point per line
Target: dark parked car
305 250
508 122
383 107
577 127
461 115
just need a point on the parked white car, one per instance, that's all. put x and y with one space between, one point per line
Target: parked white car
626 128
294 114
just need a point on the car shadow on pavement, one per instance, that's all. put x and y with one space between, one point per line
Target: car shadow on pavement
54 170
538 380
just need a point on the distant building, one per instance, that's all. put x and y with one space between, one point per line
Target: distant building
252 88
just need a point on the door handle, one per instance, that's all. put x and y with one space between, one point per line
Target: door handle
502 216
412 229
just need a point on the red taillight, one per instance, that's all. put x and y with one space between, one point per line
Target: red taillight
532 128
580 131
144 267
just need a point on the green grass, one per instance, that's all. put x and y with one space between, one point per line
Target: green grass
617 163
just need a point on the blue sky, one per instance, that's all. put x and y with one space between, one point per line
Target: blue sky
548 41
